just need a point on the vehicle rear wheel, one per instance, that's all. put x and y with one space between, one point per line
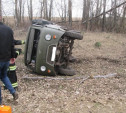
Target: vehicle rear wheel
72 59
73 35
66 71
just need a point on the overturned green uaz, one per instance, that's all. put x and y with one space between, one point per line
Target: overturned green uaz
48 48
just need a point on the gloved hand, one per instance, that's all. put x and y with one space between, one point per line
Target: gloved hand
17 52
20 51
23 42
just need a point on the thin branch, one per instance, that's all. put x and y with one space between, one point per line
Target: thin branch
105 12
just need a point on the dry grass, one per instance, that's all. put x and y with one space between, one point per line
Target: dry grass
106 95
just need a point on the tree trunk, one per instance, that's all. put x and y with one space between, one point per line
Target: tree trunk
45 9
41 8
70 12
84 10
100 8
97 13
92 15
23 12
104 15
16 13
20 10
50 10
62 11
87 13
65 10
115 15
31 11
97 8
122 24
110 20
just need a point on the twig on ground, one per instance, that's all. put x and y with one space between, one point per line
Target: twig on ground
66 78
97 76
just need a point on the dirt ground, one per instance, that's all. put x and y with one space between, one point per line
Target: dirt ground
101 95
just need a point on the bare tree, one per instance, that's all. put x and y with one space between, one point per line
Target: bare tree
62 10
70 11
16 13
20 10
45 9
115 14
122 24
65 10
41 8
104 15
97 12
86 11
31 11
92 13
111 20
23 8
50 9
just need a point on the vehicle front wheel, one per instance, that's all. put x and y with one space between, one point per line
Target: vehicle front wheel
66 71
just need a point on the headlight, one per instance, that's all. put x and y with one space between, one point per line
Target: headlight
48 37
43 68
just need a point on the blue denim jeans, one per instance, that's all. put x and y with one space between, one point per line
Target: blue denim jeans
3 76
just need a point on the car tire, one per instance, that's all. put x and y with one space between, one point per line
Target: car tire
73 35
72 59
66 71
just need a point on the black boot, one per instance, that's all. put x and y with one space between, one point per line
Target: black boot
15 96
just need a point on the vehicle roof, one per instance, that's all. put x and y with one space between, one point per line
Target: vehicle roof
55 26
45 23
51 26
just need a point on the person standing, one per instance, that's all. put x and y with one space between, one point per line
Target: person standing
12 75
6 54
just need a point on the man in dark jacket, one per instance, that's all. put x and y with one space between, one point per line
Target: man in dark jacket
6 53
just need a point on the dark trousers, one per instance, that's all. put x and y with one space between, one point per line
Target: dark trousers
13 79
